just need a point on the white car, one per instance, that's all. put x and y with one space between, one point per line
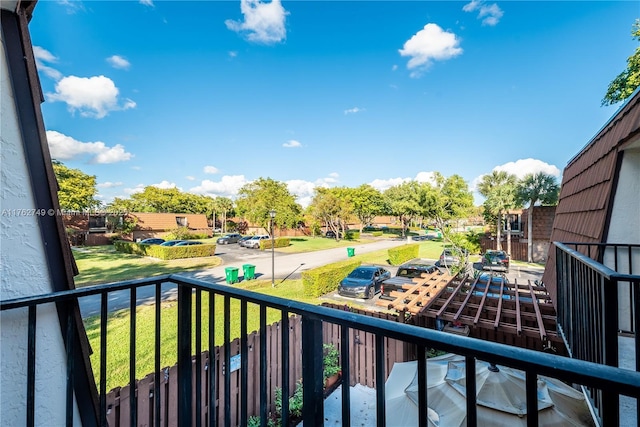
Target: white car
254 242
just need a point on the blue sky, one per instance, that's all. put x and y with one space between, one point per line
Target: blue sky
209 95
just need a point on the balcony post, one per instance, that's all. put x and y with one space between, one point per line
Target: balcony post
184 355
611 401
312 396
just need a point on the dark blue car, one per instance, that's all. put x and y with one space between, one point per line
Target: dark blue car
363 282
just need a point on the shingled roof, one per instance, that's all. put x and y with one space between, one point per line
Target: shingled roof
168 221
588 185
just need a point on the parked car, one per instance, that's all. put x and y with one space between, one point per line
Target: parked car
243 240
405 275
451 256
495 260
363 282
152 241
188 243
254 242
331 234
229 238
170 243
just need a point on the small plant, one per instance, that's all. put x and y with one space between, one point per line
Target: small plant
254 421
295 403
331 361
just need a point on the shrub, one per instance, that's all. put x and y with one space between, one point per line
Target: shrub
183 233
330 361
319 281
353 235
165 252
403 253
376 233
279 242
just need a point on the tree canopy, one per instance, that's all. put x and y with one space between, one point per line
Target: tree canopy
499 190
76 189
256 199
404 202
367 203
154 199
623 85
332 207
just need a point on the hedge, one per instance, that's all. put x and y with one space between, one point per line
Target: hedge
319 281
376 233
353 235
165 252
279 242
403 253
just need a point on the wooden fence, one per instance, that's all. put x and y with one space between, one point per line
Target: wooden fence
518 248
362 368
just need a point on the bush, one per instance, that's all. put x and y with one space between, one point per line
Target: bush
353 235
330 361
403 253
279 242
319 281
183 233
165 252
376 233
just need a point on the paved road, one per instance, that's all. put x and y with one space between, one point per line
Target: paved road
286 266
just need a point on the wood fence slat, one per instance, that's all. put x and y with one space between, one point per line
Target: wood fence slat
123 418
113 407
172 397
145 401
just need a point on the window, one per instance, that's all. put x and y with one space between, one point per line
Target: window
181 221
97 221
514 219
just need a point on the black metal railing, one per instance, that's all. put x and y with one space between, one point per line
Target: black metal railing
190 405
594 302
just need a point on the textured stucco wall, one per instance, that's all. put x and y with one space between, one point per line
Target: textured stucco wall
625 228
23 272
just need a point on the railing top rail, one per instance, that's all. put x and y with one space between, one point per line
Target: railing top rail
566 369
595 265
629 245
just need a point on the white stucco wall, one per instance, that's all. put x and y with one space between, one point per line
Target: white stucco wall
625 227
23 272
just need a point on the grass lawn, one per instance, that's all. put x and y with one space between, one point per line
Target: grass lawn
103 264
119 326
311 244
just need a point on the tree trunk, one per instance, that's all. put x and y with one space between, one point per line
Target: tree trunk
498 233
530 233
508 234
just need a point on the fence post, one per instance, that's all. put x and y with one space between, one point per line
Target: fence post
312 392
184 355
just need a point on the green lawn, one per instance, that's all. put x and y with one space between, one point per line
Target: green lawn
118 330
103 264
311 244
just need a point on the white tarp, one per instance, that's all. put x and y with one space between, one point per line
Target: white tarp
500 396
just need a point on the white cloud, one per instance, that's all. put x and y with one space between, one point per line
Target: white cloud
334 174
304 190
233 53
137 189
211 170
426 177
292 143
166 185
394 68
263 22
147 3
117 61
489 13
191 178
64 147
92 96
72 6
42 55
353 110
520 168
384 184
109 184
430 44
136 168
228 186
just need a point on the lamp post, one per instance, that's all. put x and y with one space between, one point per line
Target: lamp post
272 214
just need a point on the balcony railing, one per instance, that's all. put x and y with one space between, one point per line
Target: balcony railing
194 407
596 303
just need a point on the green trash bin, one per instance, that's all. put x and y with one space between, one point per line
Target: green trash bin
351 251
249 271
232 274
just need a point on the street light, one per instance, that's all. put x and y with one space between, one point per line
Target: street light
272 214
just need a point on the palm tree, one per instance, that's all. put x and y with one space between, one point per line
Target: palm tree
499 189
539 188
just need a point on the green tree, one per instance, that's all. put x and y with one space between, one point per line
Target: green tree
404 202
167 200
499 190
332 207
76 189
536 188
367 203
627 81
257 198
